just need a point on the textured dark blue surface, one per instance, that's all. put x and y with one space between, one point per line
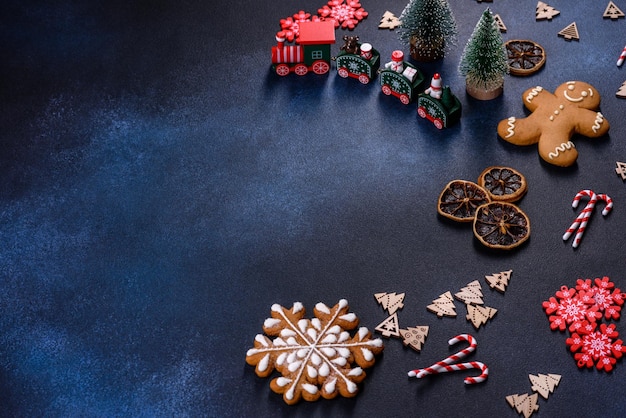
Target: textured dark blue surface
161 189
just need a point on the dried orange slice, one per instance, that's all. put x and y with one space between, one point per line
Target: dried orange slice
503 184
460 199
524 57
501 225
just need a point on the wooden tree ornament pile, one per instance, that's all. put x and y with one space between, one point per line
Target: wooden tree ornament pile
542 384
414 337
471 295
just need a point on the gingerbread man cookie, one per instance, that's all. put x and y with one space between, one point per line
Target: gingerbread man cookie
572 109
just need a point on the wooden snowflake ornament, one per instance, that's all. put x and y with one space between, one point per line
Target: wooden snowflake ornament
499 281
414 337
545 11
443 305
391 302
471 294
316 357
612 12
389 327
544 384
524 404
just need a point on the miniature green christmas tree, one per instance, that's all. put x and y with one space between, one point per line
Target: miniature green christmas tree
484 59
428 27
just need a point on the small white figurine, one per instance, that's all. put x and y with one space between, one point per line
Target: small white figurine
435 87
397 61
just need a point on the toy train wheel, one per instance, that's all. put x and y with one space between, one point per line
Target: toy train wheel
320 67
364 79
438 123
386 89
405 99
282 69
421 111
300 69
343 72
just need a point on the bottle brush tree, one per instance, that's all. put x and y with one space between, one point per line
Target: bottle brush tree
428 27
484 59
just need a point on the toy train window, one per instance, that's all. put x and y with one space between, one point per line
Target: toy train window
316 55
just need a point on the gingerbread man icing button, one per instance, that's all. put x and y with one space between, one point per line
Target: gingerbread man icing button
556 117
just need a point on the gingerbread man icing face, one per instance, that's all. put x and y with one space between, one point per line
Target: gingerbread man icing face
555 118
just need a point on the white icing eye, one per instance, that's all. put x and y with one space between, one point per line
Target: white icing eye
584 94
571 87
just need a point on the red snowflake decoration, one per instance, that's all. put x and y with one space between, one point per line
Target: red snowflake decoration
596 347
603 294
570 307
345 14
580 310
290 26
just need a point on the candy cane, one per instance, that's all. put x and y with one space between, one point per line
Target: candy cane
583 218
446 365
622 56
609 203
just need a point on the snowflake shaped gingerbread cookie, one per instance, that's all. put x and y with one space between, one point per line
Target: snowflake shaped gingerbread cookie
555 118
314 356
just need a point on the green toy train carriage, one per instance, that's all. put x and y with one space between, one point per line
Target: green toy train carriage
362 65
441 112
402 84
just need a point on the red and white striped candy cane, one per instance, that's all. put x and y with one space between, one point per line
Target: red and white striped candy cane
446 365
609 203
583 218
621 58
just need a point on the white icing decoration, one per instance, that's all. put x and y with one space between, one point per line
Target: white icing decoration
291 357
311 371
367 354
534 93
330 386
312 333
357 371
286 332
292 367
344 336
270 322
324 370
279 341
328 351
312 389
343 352
335 329
261 339
376 343
282 381
561 148
277 308
363 331
302 324
329 339
322 308
281 358
551 118
301 353
352 387
297 307
340 361
316 359
511 128
348 317
292 341
599 120
317 324
289 393
265 361
343 303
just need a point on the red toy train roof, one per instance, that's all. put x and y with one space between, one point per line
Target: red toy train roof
320 32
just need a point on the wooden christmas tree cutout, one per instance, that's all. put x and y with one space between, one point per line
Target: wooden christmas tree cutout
622 91
391 302
612 11
479 315
443 305
414 337
544 384
545 11
499 281
389 21
621 170
500 23
570 32
472 293
524 404
389 327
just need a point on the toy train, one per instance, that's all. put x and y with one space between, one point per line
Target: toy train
361 61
